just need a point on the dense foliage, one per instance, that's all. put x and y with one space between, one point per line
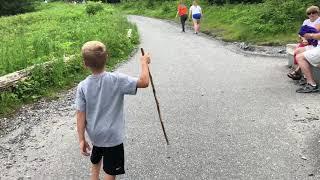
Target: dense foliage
220 2
93 8
12 7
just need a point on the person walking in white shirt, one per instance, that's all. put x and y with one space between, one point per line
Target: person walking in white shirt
196 13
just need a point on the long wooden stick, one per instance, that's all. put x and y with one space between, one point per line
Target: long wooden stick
157 102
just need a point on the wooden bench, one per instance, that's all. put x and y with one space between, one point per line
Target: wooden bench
290 50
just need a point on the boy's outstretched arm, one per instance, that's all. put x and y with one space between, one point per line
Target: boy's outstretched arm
143 80
81 125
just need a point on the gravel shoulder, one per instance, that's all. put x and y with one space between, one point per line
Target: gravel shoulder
242 47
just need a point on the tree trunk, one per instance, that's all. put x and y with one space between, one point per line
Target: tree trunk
10 80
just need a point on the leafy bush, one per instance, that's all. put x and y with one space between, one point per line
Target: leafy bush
93 7
218 2
8 101
282 14
113 1
166 8
150 4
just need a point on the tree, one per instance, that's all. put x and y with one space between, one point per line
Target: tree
112 1
12 7
221 2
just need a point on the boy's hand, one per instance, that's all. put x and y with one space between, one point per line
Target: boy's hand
145 58
143 80
84 146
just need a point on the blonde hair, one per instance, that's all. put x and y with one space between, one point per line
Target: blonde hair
195 3
94 54
313 9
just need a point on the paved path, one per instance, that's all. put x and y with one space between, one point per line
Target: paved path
227 116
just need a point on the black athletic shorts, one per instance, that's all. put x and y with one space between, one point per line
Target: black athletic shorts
113 159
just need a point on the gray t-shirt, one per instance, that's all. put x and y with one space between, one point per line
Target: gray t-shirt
101 97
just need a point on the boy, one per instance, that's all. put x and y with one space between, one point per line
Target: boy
99 104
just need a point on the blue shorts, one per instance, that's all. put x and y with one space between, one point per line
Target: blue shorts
196 16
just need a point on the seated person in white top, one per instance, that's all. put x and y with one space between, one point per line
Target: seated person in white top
313 21
309 57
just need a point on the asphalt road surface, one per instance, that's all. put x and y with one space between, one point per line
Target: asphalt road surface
227 115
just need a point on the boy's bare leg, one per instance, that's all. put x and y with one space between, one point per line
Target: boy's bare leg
95 170
109 177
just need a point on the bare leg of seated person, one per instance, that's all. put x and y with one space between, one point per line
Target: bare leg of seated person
299 50
305 66
295 73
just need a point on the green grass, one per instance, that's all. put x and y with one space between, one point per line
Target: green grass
59 29
54 31
263 24
243 23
